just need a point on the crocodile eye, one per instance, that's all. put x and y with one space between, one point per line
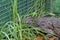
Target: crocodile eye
42 24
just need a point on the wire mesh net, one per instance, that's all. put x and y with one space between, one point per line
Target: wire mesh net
25 7
5 11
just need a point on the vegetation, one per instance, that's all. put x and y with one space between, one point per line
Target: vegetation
13 30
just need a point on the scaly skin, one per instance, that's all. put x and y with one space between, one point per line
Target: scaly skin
51 24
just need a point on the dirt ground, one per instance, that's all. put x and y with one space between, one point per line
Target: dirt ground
41 38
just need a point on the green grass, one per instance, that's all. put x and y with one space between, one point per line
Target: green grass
16 33
13 30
